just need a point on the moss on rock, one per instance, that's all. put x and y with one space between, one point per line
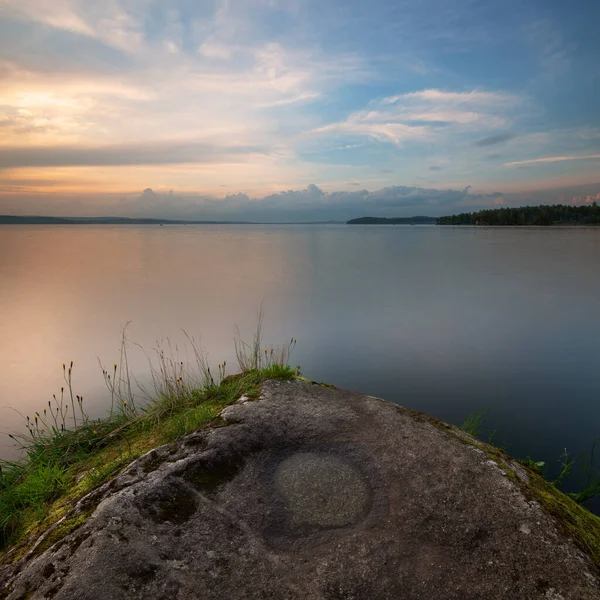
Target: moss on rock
572 519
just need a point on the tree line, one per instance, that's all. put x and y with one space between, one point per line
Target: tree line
557 214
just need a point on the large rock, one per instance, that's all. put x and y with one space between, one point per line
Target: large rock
316 493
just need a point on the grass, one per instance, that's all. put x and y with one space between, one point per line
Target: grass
474 424
571 518
66 454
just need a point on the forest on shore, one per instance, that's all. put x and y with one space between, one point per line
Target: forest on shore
558 214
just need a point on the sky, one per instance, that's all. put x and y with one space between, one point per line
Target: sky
296 109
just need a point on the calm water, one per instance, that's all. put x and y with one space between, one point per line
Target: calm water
443 320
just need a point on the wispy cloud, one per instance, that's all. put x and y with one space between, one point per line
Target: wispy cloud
173 94
446 97
61 14
493 140
211 49
379 129
271 95
422 115
108 21
551 159
122 155
553 52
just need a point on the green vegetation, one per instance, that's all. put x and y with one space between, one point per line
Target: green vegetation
572 519
533 464
589 471
473 425
559 214
67 454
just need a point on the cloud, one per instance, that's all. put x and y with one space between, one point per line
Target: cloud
426 115
108 22
171 47
589 133
492 140
445 97
122 154
548 42
151 203
215 50
167 91
551 159
383 131
302 97
585 199
60 14
114 95
308 204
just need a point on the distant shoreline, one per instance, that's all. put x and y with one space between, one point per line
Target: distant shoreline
528 216
35 220
522 216
419 220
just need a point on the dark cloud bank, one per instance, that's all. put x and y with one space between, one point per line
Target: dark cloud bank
309 204
12 157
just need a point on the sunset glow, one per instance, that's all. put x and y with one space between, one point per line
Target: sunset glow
253 108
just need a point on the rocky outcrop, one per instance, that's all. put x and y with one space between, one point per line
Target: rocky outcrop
312 492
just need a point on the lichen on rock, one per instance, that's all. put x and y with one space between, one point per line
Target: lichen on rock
314 492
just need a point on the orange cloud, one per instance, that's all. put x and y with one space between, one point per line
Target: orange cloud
585 199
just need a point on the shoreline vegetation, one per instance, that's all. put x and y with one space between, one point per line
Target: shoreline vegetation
525 216
66 454
474 425
559 214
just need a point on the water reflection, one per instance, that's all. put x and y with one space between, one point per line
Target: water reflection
444 320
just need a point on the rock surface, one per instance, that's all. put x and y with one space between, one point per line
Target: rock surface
317 493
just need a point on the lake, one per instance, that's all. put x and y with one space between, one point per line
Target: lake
445 320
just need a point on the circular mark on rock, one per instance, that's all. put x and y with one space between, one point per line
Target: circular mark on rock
322 491
172 502
208 476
